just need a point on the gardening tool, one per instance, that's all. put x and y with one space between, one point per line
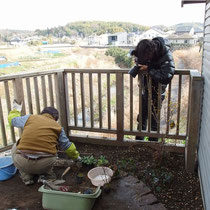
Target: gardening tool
54 187
61 181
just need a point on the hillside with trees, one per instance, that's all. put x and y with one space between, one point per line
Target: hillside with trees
86 28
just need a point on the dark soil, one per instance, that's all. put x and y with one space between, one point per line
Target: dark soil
167 179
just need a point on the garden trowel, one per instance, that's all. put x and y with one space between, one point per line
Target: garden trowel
61 181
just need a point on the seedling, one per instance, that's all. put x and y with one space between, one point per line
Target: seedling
107 187
102 161
127 165
80 175
89 160
79 178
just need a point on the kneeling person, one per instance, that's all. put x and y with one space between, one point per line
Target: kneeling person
36 150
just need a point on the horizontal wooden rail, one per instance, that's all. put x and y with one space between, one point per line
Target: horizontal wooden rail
113 71
29 74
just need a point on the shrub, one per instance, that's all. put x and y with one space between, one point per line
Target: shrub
121 56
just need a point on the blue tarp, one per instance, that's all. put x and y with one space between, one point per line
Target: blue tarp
44 42
5 65
51 51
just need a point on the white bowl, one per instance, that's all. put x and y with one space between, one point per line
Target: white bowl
100 175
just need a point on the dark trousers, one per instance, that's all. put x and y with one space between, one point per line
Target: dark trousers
144 116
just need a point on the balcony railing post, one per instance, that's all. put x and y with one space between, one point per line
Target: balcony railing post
120 106
18 93
19 96
194 112
61 99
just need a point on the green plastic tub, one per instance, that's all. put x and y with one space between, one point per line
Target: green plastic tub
58 200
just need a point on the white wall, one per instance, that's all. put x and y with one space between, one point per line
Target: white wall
150 34
182 41
122 38
204 144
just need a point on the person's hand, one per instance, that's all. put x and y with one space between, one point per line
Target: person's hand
79 162
17 106
143 67
79 159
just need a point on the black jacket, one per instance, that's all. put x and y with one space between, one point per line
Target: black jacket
161 68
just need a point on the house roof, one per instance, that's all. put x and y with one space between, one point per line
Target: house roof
186 29
198 30
183 29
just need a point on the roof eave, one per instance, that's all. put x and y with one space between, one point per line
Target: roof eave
192 2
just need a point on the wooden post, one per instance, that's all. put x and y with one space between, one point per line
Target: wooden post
36 91
7 96
120 106
2 126
195 101
61 99
18 93
19 96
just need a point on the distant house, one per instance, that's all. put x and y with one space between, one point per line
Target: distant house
103 39
185 30
120 38
183 39
198 32
189 30
3 58
153 32
92 39
170 32
15 41
98 40
133 38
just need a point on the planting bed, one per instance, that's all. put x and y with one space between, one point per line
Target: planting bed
168 181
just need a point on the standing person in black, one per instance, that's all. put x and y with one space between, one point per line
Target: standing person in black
153 56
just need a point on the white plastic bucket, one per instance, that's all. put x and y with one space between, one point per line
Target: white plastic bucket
100 175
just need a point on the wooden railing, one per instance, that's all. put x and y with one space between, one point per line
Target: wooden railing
101 106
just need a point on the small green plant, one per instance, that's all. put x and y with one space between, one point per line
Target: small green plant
128 164
80 174
167 177
102 161
79 178
89 160
115 169
107 187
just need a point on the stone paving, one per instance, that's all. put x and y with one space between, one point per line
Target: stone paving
128 193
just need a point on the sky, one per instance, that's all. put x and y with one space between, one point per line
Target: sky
42 14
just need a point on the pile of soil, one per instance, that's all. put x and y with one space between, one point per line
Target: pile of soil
167 179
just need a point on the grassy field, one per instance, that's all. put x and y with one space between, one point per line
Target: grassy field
40 59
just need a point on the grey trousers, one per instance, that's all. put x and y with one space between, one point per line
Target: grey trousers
28 168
